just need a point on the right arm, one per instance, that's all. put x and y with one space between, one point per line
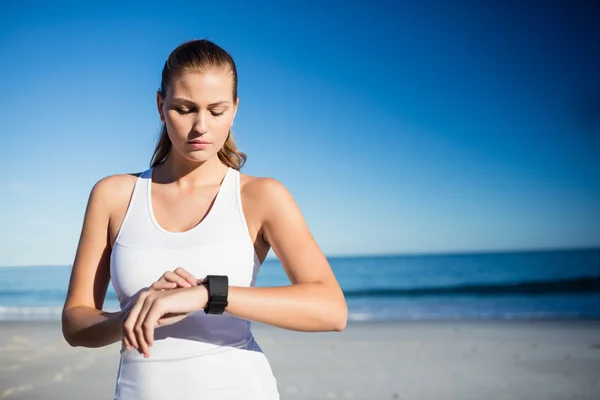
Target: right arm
83 321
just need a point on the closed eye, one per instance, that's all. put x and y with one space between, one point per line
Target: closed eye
182 111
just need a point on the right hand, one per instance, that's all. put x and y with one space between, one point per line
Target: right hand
179 278
173 279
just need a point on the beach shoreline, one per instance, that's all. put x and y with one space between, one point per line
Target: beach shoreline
504 359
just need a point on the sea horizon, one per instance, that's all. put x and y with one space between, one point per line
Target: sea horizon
441 253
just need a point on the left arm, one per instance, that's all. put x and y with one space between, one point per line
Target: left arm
314 301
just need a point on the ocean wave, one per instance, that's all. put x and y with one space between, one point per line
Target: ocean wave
40 295
589 284
35 313
374 315
30 313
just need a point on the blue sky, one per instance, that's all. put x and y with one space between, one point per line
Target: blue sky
398 128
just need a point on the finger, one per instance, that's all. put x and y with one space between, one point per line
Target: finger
129 325
187 276
140 327
126 344
128 335
163 285
173 277
151 321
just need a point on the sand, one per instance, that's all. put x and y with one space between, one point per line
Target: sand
410 360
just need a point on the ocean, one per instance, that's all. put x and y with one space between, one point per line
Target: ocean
510 285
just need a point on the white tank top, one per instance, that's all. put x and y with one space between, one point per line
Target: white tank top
202 356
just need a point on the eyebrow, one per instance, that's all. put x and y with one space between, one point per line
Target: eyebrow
186 101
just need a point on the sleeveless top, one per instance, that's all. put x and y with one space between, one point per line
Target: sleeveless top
202 356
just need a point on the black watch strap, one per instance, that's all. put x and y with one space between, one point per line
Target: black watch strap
218 289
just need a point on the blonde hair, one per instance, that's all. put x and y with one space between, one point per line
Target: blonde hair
198 56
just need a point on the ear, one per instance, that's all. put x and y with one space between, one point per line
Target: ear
159 105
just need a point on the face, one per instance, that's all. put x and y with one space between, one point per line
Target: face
198 110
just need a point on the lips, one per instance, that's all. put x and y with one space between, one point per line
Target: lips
198 144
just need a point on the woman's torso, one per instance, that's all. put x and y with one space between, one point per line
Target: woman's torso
204 356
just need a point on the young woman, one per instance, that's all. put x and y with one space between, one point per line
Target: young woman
183 243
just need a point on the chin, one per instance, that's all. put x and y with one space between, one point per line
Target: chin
200 156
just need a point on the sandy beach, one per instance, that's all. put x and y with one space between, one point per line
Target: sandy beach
410 360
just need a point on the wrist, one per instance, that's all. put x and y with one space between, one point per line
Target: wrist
202 293
120 317
217 287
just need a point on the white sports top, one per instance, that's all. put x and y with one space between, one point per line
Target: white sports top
202 356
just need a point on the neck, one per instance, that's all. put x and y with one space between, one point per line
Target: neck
189 174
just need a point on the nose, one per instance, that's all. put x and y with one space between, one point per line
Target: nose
200 123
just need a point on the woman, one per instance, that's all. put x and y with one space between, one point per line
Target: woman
183 243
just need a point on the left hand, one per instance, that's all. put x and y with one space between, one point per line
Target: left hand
161 308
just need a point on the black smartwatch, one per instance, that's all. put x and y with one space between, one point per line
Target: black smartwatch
218 288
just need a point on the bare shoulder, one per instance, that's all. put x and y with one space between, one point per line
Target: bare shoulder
111 195
114 190
264 191
116 183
